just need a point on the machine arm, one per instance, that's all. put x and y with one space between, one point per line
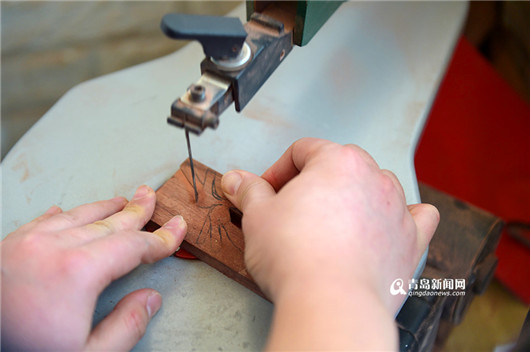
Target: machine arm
239 59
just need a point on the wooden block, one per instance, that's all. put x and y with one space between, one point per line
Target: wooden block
463 247
212 236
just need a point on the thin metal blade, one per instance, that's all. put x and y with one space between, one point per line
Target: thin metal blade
191 165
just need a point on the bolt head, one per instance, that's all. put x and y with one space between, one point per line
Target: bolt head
197 92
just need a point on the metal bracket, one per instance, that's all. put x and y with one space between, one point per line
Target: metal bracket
223 81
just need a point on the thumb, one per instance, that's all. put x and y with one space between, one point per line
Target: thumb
426 217
127 323
243 188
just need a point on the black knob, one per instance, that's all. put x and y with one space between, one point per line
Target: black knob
220 37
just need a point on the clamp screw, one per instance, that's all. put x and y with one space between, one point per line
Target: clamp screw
197 92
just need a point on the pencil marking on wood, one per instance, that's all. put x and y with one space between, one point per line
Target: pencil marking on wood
212 237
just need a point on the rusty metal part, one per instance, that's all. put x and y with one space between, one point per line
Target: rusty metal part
266 46
196 115
197 93
304 17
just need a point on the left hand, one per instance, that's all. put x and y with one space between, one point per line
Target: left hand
54 268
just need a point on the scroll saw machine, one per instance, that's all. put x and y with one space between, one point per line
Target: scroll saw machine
367 76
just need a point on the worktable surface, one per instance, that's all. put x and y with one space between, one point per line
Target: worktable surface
368 77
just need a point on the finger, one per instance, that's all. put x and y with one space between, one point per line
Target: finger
133 217
127 323
83 214
395 181
115 255
48 214
243 188
292 161
426 217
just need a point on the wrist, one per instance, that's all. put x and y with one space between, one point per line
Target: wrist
322 276
332 316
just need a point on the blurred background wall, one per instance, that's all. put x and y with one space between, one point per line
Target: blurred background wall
49 47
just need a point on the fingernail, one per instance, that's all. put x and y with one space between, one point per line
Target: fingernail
230 182
154 302
176 222
141 192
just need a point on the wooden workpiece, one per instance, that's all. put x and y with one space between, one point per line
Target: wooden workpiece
212 236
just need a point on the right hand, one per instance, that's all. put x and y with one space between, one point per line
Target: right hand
326 215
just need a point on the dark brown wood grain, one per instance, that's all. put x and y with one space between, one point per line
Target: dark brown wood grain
463 247
212 236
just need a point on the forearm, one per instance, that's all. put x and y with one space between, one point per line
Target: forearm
331 318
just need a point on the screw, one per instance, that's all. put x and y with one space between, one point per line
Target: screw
197 93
